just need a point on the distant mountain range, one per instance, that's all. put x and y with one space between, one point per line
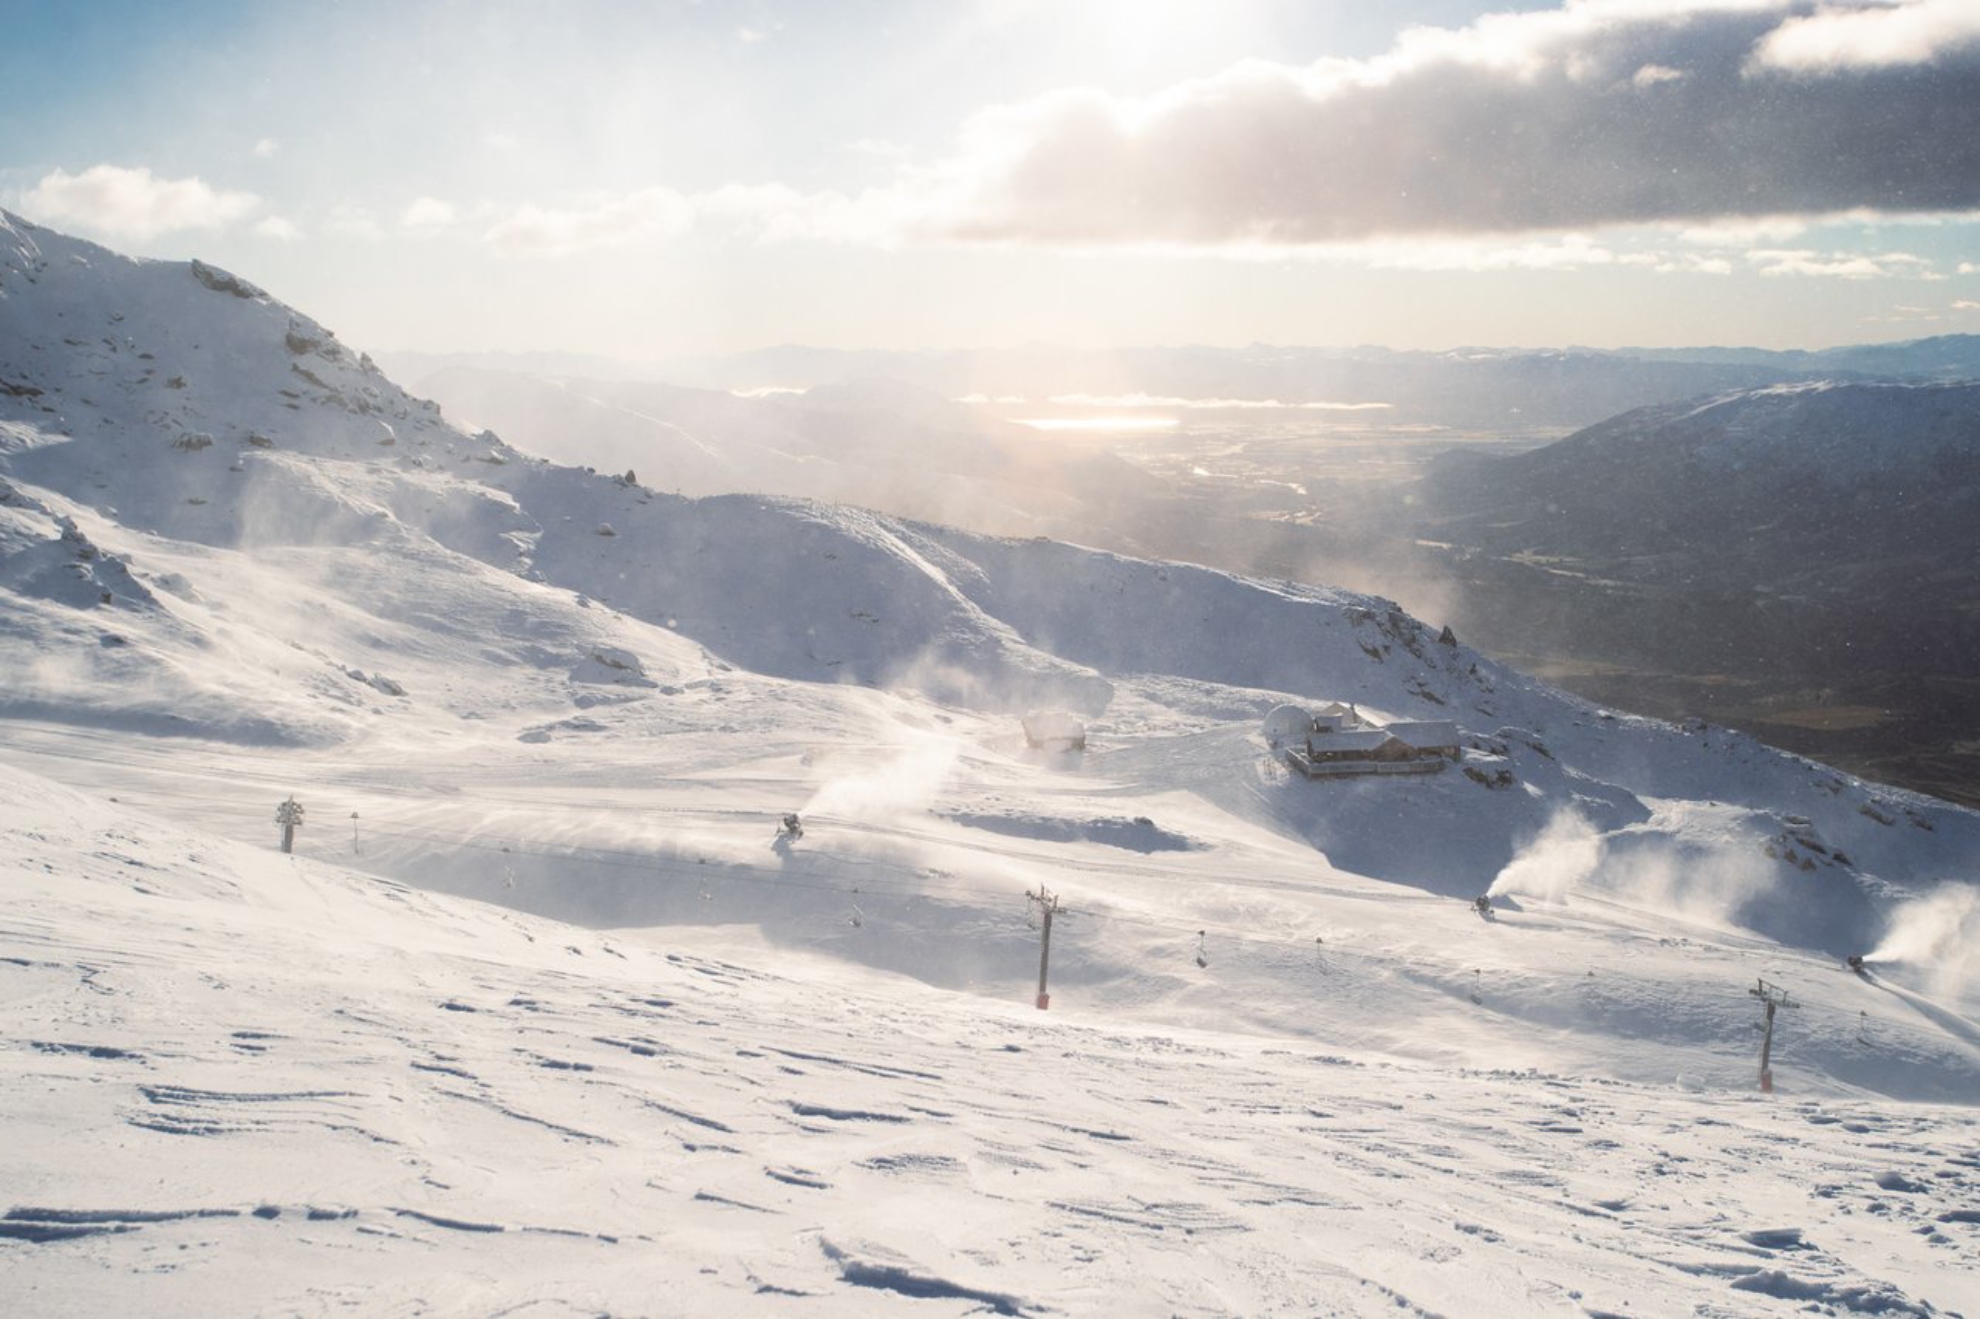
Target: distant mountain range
877 443
1473 389
1941 357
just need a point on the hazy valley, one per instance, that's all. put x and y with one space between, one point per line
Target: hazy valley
1823 602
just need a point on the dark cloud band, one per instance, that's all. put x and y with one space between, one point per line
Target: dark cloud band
1644 117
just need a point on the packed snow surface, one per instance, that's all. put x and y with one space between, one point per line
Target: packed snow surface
544 1013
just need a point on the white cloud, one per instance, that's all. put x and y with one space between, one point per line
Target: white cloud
532 231
1965 304
1560 252
1746 231
266 147
775 213
274 226
133 204
1601 133
427 214
1598 114
1875 36
1969 267
1780 262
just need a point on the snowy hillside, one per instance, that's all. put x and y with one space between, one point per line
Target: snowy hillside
1804 489
1733 452
1803 561
680 1063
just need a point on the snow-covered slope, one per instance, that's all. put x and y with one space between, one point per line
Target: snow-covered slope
572 697
245 1083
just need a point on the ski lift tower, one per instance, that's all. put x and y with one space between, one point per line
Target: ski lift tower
290 816
1774 997
1047 903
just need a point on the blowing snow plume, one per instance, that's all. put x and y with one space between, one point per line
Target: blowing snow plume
907 781
1563 854
1937 937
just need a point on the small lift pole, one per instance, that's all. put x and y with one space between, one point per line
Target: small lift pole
1774 997
1048 903
290 816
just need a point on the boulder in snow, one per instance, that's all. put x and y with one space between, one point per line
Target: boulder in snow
613 666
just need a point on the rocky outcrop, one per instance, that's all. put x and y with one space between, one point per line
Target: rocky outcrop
221 281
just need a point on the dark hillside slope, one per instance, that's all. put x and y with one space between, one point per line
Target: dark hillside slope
1804 560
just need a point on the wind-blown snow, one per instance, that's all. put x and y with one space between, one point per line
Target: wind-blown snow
665 1060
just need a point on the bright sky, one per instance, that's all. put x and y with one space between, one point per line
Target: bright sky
642 178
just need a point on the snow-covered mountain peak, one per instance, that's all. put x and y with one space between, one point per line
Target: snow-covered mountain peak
20 254
135 350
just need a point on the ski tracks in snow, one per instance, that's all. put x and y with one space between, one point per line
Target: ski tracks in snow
475 1111
1016 1166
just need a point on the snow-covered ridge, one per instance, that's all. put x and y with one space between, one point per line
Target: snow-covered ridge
1842 433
